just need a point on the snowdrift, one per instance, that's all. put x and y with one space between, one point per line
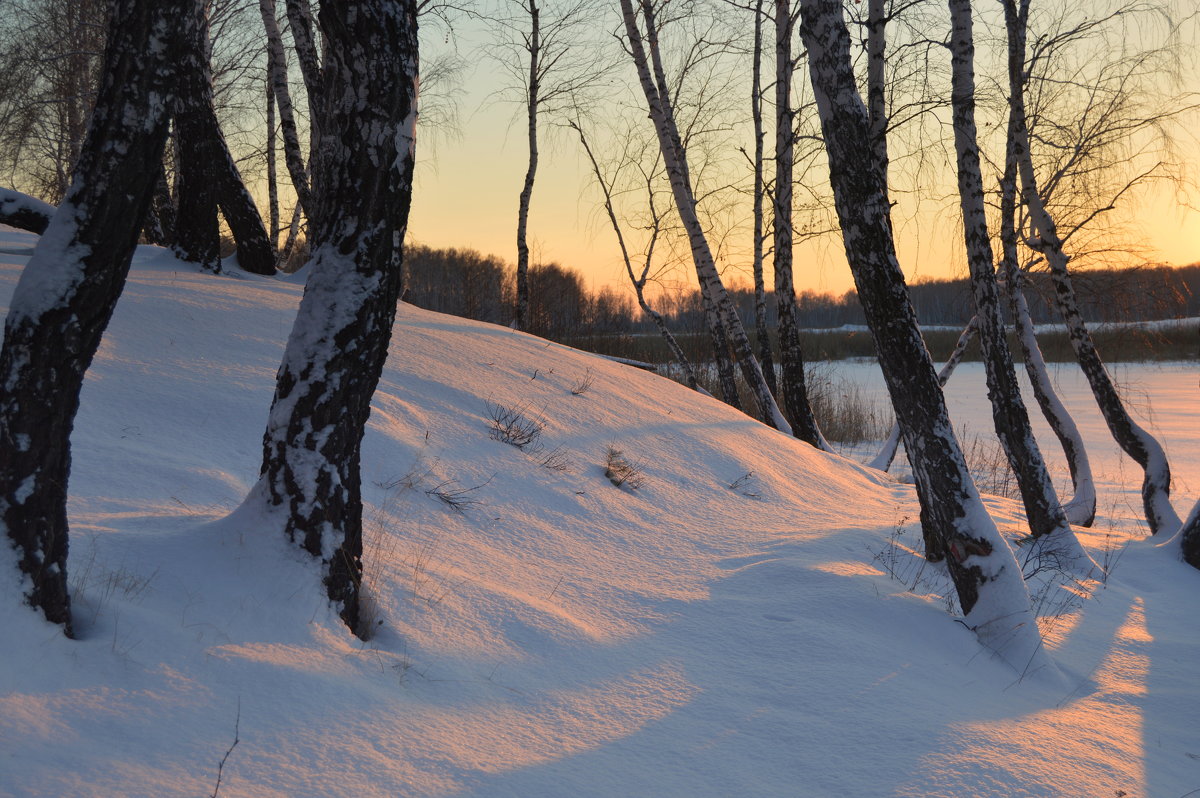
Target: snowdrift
725 628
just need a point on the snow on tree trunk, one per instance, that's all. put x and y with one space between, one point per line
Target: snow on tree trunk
339 342
1011 420
67 293
23 211
1133 440
795 390
277 65
1081 509
986 575
1190 537
533 43
654 87
887 453
765 357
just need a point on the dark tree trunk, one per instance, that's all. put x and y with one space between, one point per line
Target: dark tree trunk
24 212
1135 441
209 173
1011 420
887 453
791 358
159 228
985 573
340 339
55 323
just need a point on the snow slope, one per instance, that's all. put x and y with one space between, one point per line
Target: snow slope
552 635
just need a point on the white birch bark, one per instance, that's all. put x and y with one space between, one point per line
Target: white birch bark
1011 420
654 87
277 65
988 579
1135 441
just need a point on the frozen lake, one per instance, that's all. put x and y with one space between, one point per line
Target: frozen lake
1163 397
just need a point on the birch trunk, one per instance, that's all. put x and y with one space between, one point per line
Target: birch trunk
765 357
531 107
1011 420
210 173
1133 440
887 453
639 282
338 344
272 171
986 575
720 345
24 212
67 293
658 101
1190 537
277 67
795 390
1081 509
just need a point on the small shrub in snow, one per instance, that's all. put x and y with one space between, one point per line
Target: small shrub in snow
513 426
620 470
585 383
453 495
556 459
744 485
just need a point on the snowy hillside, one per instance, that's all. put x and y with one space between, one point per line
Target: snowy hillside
727 628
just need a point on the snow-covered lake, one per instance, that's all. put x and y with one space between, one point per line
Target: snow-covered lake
1163 397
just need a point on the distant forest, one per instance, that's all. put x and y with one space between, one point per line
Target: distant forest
476 286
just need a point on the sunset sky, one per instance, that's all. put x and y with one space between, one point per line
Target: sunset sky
468 183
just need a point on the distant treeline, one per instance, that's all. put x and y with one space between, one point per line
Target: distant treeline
469 284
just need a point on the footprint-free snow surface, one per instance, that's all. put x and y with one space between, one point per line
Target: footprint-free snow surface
728 627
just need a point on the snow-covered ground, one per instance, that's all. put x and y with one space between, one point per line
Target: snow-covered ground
553 635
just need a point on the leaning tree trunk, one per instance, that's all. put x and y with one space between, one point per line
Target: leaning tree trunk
209 169
1011 420
340 339
24 212
887 453
1136 442
985 572
1081 510
720 346
521 321
654 87
67 293
639 283
795 389
761 331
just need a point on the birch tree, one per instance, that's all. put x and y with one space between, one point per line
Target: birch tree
542 45
988 580
1135 441
638 276
1011 420
647 58
209 179
67 293
336 351
791 357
